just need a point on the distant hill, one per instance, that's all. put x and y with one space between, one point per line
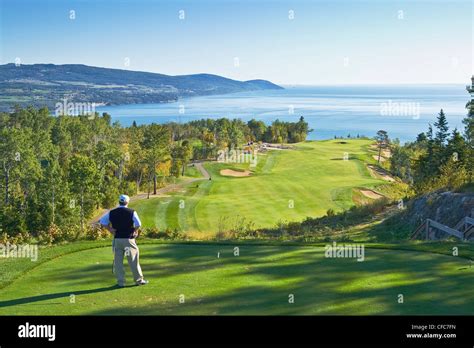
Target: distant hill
48 84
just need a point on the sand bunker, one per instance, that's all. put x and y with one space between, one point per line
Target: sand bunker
378 172
384 154
371 194
230 172
376 157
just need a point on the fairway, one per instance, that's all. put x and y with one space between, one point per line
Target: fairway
285 185
257 282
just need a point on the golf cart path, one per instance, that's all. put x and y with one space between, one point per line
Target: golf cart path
174 187
203 170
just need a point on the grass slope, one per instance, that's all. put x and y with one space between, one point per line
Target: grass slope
285 185
258 281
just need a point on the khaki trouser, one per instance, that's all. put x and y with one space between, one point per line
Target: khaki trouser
129 248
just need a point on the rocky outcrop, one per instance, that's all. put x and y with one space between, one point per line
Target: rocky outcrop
447 208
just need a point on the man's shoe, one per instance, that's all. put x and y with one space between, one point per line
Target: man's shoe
142 282
120 285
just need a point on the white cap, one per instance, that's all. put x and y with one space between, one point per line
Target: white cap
124 199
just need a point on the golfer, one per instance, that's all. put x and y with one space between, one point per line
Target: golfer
124 223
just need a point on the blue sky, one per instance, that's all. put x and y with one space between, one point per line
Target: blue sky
327 42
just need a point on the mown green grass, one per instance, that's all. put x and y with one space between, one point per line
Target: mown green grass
257 282
260 279
285 185
12 268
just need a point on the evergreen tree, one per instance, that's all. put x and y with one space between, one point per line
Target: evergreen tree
456 148
442 129
421 138
468 122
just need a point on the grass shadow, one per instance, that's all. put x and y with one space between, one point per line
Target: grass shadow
33 299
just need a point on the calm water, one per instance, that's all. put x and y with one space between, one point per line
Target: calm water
403 111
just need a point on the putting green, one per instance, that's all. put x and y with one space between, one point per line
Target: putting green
285 185
258 281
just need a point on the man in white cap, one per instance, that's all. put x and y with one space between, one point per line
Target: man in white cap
124 223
